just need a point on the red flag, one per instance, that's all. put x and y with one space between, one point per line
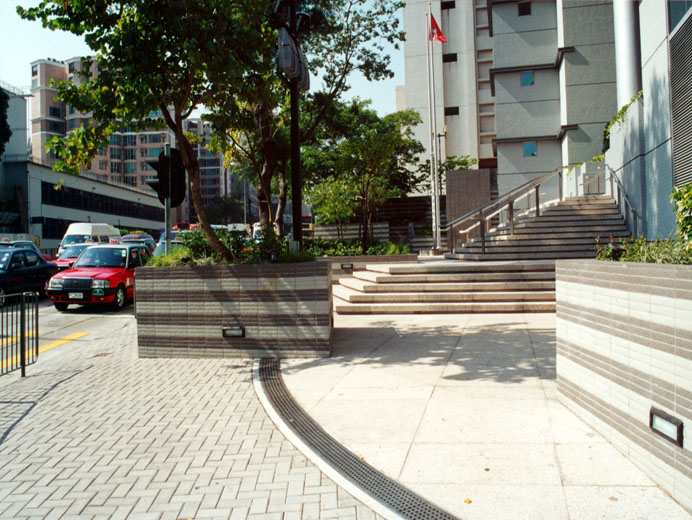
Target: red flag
435 32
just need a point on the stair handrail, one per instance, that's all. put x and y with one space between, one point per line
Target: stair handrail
488 210
623 197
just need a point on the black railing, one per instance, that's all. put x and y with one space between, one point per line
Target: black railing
18 331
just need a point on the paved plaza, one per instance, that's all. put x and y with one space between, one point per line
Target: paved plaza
460 409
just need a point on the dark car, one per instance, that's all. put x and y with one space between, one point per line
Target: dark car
103 274
69 255
23 270
148 240
6 244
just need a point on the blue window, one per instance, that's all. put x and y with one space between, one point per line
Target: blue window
530 149
527 78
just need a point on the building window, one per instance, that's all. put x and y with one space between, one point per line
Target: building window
34 70
130 154
102 152
55 126
34 83
451 111
70 68
527 78
103 165
524 8
54 112
130 167
447 58
530 149
115 153
116 167
72 124
70 109
677 10
448 5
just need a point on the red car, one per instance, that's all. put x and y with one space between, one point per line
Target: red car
70 255
103 274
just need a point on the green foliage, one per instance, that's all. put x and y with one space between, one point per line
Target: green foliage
618 119
5 131
453 162
157 62
682 201
338 247
225 210
639 250
333 201
179 256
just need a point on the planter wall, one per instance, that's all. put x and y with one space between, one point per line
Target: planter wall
284 309
624 346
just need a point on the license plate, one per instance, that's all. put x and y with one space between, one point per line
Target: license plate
75 296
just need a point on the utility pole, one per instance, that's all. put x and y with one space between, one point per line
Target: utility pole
296 172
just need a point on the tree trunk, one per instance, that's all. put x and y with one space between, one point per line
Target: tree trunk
364 225
270 153
192 166
283 191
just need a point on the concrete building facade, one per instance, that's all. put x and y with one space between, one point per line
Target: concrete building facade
523 86
651 150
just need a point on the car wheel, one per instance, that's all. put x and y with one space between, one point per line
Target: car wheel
62 307
120 298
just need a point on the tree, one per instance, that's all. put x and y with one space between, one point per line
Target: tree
453 162
349 40
372 155
5 131
227 209
333 201
166 57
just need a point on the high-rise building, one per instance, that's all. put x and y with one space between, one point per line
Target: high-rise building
523 86
124 159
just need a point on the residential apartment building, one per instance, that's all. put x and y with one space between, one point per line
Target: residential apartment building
124 160
36 201
523 86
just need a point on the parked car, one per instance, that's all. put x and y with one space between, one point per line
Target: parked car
103 274
23 270
25 243
161 248
70 255
148 240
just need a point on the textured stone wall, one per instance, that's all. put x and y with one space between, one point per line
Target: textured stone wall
624 345
285 309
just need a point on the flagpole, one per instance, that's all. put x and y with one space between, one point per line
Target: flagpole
436 197
431 126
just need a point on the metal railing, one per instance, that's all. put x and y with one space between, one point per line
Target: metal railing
18 331
504 210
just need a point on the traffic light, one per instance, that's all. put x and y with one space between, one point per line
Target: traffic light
163 165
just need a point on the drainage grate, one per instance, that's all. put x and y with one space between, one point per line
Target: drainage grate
360 473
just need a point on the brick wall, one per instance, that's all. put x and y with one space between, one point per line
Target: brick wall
624 345
285 310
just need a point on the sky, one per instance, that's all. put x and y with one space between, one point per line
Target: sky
22 42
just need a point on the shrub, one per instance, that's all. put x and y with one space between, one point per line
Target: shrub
337 247
639 250
682 201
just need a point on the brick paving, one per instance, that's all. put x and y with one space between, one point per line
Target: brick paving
94 432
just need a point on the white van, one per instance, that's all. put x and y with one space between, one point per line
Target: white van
80 232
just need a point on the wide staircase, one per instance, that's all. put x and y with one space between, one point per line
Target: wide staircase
448 287
567 230
508 268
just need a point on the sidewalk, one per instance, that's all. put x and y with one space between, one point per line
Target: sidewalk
459 407
95 432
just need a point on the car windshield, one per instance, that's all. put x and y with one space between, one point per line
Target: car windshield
73 251
161 248
102 257
5 260
75 239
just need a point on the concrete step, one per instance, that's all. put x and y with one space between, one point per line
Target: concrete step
479 257
431 287
353 296
543 222
551 235
443 267
514 248
451 278
443 308
530 241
